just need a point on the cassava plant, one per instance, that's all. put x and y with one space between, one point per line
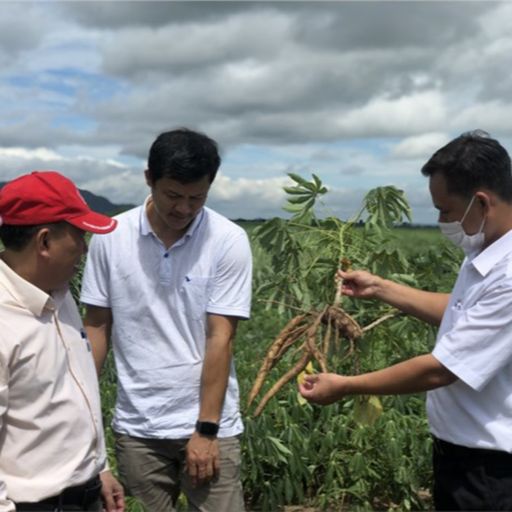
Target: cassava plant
305 251
340 457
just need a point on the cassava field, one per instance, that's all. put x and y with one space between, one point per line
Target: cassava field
367 453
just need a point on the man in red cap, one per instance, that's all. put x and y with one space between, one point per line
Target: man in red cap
51 434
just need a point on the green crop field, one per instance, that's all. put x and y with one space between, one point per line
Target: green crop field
337 458
346 456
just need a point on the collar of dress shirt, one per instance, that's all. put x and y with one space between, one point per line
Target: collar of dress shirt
26 294
485 260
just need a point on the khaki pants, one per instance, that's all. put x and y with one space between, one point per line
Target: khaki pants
152 470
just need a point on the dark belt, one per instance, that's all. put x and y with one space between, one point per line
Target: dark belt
454 450
82 496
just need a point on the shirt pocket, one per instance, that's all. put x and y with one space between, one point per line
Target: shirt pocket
193 296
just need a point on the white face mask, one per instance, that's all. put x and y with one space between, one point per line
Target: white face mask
456 234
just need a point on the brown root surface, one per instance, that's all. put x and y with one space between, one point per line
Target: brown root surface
317 330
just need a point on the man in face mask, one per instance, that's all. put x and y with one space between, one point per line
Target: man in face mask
454 231
468 375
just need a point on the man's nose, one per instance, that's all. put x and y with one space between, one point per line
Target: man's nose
184 207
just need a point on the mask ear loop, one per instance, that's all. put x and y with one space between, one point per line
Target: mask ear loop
480 229
467 209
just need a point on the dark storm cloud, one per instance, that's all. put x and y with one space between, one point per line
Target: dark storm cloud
387 25
21 28
118 14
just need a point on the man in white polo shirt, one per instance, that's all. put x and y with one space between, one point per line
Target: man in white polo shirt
52 448
468 375
169 287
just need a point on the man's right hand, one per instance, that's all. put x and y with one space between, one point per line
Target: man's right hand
359 283
427 306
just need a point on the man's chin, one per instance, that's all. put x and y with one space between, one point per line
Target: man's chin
178 224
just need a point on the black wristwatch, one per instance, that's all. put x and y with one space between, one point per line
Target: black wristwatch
207 428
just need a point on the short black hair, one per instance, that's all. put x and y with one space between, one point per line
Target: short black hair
16 238
471 161
183 155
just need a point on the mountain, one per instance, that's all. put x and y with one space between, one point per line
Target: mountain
99 204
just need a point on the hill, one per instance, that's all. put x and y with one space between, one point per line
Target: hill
103 205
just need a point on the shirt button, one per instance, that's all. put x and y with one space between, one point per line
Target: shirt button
166 255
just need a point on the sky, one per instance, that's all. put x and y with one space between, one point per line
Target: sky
359 93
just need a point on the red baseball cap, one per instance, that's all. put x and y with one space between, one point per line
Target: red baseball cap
44 197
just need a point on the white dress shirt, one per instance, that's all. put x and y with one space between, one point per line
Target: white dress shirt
51 432
475 343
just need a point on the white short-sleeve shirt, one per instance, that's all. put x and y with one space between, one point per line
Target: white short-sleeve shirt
159 300
475 343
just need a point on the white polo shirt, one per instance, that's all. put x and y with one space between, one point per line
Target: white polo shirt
159 300
475 343
51 432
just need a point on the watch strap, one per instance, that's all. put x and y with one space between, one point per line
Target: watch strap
207 428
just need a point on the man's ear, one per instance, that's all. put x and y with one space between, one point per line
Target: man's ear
147 176
485 200
42 240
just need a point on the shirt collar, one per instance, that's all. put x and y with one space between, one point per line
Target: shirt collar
146 229
195 223
28 295
145 226
485 260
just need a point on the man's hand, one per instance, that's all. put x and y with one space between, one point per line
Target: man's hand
359 283
202 458
322 388
112 493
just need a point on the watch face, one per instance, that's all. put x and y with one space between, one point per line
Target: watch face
207 428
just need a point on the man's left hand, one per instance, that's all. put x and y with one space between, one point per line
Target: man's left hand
322 388
112 493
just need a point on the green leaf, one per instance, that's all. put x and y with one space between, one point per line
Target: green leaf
367 409
292 208
279 445
386 206
293 190
299 199
298 179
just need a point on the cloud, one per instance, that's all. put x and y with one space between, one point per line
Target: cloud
118 14
420 146
361 93
22 28
174 49
396 116
87 172
248 198
41 154
269 72
494 117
